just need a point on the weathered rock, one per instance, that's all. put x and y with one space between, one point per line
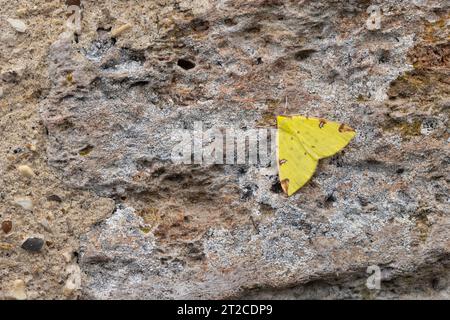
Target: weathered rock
25 203
109 108
73 282
17 290
12 75
226 228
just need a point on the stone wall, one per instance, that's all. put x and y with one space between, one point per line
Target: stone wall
92 206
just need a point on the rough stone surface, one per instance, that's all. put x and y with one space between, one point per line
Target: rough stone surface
94 114
17 290
19 25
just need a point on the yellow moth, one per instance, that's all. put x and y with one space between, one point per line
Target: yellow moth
302 142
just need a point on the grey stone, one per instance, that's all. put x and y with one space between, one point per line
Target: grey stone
33 244
221 231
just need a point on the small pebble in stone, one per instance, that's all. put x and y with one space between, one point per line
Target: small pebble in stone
17 290
17 24
1 92
26 171
6 226
31 147
5 246
25 203
46 225
21 12
120 30
33 244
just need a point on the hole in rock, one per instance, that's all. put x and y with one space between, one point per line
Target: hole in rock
330 198
383 56
73 3
229 22
200 25
86 150
303 54
185 64
276 187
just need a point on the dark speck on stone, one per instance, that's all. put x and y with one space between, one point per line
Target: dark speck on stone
276 187
242 170
55 198
33 244
73 2
363 201
186 64
330 198
248 192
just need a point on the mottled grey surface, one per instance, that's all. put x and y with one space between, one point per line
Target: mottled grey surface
194 231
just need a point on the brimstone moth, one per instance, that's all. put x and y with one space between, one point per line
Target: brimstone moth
301 143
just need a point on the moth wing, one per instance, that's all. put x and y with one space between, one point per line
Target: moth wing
295 165
321 137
